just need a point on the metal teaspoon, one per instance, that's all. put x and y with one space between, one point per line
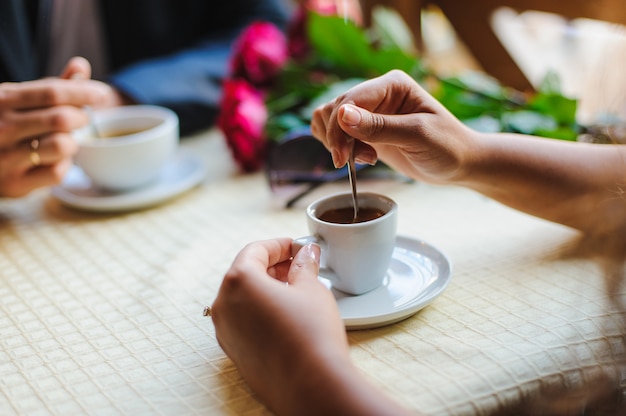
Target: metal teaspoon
352 177
94 130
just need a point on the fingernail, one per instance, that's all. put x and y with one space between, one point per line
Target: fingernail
312 250
336 155
365 160
351 116
367 156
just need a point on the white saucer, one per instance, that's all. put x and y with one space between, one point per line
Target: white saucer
417 275
182 173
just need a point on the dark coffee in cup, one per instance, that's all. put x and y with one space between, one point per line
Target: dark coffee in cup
346 215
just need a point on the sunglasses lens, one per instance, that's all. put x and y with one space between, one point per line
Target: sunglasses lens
300 158
297 165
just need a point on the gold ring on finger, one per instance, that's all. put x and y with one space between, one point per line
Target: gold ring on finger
35 159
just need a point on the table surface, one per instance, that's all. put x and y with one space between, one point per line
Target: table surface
102 313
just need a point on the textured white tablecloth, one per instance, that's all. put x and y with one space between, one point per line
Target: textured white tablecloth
102 313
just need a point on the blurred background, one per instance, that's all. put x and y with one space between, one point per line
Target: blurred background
587 54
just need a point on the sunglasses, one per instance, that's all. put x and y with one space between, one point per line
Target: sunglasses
299 163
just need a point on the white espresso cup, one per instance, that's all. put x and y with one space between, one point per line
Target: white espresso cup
355 255
127 147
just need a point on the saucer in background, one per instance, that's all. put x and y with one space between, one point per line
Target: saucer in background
182 173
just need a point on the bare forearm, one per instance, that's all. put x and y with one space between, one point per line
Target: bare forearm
336 388
576 184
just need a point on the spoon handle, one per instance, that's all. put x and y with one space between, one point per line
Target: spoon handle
352 177
94 130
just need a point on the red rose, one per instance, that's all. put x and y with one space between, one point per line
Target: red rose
323 7
259 53
350 9
242 119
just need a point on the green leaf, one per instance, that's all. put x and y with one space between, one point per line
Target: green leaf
465 103
279 125
528 122
563 109
550 84
277 104
485 124
334 90
300 80
391 30
479 82
344 46
562 133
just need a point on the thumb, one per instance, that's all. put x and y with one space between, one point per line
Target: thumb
305 265
77 68
366 126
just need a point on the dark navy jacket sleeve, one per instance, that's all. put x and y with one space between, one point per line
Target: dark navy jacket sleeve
18 57
188 82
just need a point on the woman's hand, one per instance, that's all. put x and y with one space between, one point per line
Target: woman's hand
282 328
274 318
395 119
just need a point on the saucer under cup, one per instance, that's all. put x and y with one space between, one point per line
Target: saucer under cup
417 275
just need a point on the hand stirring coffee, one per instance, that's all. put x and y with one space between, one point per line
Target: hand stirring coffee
351 166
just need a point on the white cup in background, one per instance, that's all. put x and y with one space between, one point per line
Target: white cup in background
138 141
355 256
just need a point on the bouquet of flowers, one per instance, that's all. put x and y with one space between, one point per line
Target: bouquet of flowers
278 79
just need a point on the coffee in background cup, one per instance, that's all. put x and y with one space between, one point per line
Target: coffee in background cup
355 254
115 134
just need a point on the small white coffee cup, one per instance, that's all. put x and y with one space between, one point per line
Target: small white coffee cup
134 145
355 256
